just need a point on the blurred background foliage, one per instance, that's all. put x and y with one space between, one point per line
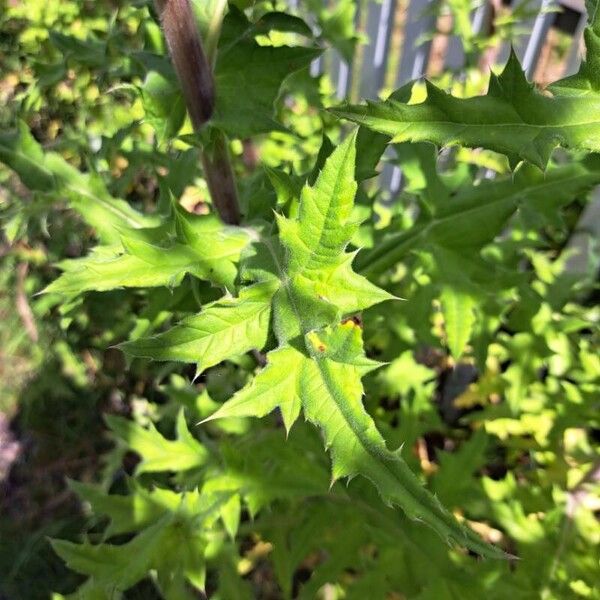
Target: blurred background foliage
492 376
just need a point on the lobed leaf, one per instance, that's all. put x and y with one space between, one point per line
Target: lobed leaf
112 566
224 328
326 384
318 369
209 252
490 204
138 509
173 546
157 452
514 118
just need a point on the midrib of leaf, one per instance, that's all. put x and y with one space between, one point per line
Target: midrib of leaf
478 126
390 529
394 247
285 283
409 492
283 277
30 161
228 331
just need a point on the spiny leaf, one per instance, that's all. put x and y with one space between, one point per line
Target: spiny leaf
114 566
157 452
257 467
513 118
587 79
318 368
48 172
315 283
326 383
317 238
138 509
277 385
173 546
224 328
319 284
209 253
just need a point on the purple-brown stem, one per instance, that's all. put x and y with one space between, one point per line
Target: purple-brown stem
197 82
220 180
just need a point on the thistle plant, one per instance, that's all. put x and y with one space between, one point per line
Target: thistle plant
272 294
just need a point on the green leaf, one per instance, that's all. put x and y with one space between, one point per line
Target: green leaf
326 383
319 363
114 566
456 477
490 205
257 467
224 328
48 172
587 80
317 238
248 78
88 52
173 546
319 284
337 25
163 105
209 252
277 385
136 510
157 452
514 118
459 318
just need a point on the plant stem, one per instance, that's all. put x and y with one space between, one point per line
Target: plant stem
220 179
188 57
195 74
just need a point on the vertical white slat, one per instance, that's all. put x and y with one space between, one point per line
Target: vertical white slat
342 70
480 17
583 243
519 43
375 56
415 58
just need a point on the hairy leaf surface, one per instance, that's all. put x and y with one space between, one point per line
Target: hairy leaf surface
225 328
